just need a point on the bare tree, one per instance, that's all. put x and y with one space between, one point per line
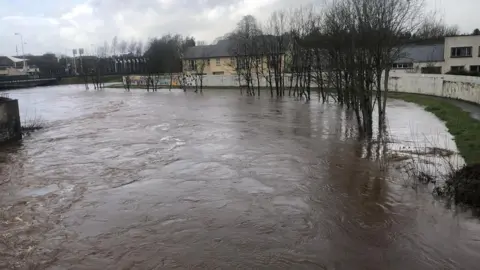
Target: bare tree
132 46
364 38
139 49
431 27
244 43
114 45
122 47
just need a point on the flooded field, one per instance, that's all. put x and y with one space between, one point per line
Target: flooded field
174 180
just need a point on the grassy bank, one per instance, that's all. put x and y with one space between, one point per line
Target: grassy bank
460 124
80 80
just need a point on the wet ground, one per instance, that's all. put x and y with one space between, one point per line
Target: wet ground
170 180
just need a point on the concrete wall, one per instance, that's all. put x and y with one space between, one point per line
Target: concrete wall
459 87
10 126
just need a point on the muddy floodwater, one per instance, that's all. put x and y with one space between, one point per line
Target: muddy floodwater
174 180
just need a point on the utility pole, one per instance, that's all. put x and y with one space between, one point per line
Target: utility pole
23 51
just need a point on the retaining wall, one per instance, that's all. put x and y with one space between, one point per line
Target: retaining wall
10 126
459 87
465 88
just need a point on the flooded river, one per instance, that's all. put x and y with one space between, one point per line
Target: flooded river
174 180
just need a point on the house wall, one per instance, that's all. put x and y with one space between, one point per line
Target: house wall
226 65
417 67
462 41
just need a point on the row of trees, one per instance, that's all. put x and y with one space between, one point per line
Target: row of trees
349 47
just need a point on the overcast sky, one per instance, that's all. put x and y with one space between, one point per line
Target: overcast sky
60 25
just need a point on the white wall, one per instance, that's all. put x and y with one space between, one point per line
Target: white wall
459 87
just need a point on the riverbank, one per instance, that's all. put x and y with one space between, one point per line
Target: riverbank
464 128
79 80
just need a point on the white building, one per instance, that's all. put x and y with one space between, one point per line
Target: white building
462 53
420 58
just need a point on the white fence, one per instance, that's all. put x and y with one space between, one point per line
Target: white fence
459 87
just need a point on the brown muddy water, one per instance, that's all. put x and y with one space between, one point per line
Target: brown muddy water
170 180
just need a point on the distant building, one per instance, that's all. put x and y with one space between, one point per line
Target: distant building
220 59
421 58
11 66
462 53
458 53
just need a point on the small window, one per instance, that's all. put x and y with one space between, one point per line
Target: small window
475 68
208 62
457 68
402 65
218 73
217 61
461 52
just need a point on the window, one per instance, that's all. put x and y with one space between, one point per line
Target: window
475 68
217 61
241 63
192 64
218 73
431 70
461 52
208 62
402 65
457 68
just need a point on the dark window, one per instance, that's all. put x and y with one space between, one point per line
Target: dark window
241 63
432 70
475 68
218 73
457 68
461 52
402 65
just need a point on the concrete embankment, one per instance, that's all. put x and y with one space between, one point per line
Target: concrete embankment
16 84
10 126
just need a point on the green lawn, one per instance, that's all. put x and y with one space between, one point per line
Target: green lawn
460 124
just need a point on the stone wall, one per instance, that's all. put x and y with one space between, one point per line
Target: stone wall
10 126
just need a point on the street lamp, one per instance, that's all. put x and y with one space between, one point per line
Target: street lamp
23 51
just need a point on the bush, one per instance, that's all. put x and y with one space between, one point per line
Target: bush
463 186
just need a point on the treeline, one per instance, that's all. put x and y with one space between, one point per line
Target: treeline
349 47
345 49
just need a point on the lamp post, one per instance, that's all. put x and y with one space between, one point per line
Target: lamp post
23 51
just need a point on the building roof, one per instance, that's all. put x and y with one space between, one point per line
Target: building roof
223 48
14 59
226 48
421 53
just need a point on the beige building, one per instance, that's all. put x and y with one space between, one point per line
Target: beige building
217 59
462 53
210 59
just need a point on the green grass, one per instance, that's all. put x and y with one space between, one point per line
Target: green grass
464 128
